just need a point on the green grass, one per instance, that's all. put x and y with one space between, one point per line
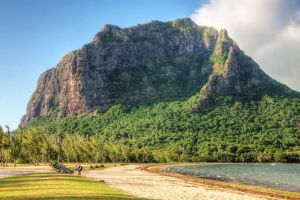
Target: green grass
57 186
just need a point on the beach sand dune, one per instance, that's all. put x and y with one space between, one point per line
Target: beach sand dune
141 183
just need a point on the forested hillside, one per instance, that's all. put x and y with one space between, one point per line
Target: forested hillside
258 131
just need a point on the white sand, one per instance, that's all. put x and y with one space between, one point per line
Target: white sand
145 184
14 171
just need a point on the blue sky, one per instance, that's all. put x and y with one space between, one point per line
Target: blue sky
34 36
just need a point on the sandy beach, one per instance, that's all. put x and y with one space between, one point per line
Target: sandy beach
14 171
147 181
134 180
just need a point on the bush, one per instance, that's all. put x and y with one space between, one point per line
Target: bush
20 161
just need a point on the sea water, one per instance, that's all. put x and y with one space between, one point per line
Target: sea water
280 176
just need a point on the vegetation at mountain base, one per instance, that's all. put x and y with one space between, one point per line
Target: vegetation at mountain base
267 130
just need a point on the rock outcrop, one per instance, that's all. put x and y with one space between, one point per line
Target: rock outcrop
147 63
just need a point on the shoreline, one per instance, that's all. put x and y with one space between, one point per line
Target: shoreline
263 191
151 180
138 180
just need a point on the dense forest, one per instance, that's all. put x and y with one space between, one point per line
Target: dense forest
267 130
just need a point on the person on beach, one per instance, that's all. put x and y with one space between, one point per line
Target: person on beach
79 169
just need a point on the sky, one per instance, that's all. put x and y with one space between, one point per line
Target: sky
35 35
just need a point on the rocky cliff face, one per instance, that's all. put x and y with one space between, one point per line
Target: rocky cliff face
147 63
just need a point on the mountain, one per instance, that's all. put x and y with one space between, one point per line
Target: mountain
151 63
159 92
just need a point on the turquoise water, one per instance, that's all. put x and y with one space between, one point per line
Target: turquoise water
280 176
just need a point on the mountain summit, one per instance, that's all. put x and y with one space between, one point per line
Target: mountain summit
148 63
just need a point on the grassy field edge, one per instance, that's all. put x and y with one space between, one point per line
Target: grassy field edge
57 186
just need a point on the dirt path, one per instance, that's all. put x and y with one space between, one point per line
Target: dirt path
154 186
14 171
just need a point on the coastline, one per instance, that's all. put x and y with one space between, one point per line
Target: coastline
263 191
149 182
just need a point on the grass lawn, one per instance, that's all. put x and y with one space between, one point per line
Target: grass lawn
57 186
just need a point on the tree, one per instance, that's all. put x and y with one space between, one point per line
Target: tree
1 146
14 149
31 148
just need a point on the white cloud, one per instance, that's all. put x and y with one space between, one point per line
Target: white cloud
267 30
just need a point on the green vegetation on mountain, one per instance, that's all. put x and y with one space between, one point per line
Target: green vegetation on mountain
254 131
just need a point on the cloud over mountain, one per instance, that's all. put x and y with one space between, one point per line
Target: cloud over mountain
268 30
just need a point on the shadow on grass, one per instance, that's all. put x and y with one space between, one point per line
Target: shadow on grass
32 179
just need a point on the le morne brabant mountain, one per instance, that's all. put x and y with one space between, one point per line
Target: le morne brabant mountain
170 91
